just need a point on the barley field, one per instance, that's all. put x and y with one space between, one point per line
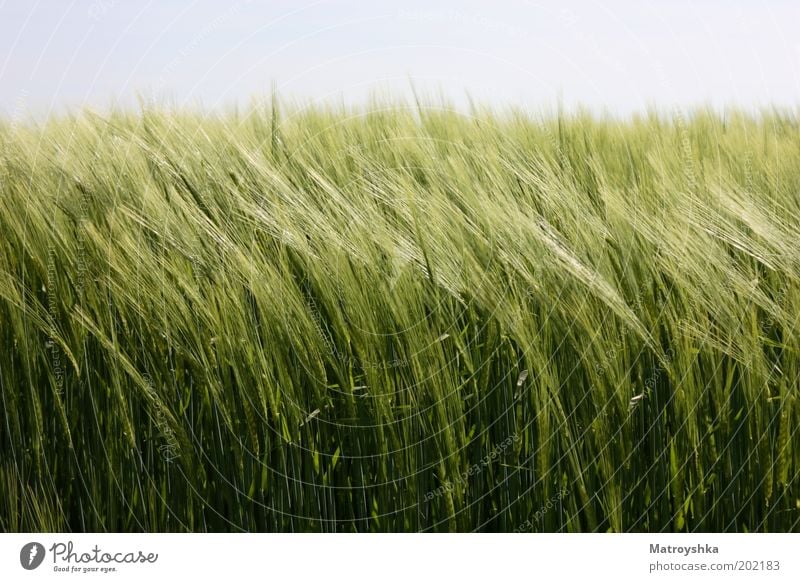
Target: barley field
400 317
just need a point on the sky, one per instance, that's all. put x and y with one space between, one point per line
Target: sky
617 56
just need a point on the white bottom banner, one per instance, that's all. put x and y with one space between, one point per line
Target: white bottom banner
401 557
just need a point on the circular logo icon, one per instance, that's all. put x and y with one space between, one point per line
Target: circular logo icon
31 555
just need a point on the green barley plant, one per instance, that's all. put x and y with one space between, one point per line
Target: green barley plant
394 318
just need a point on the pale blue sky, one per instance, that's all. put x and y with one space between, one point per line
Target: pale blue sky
621 55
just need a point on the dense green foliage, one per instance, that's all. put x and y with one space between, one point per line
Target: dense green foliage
396 319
